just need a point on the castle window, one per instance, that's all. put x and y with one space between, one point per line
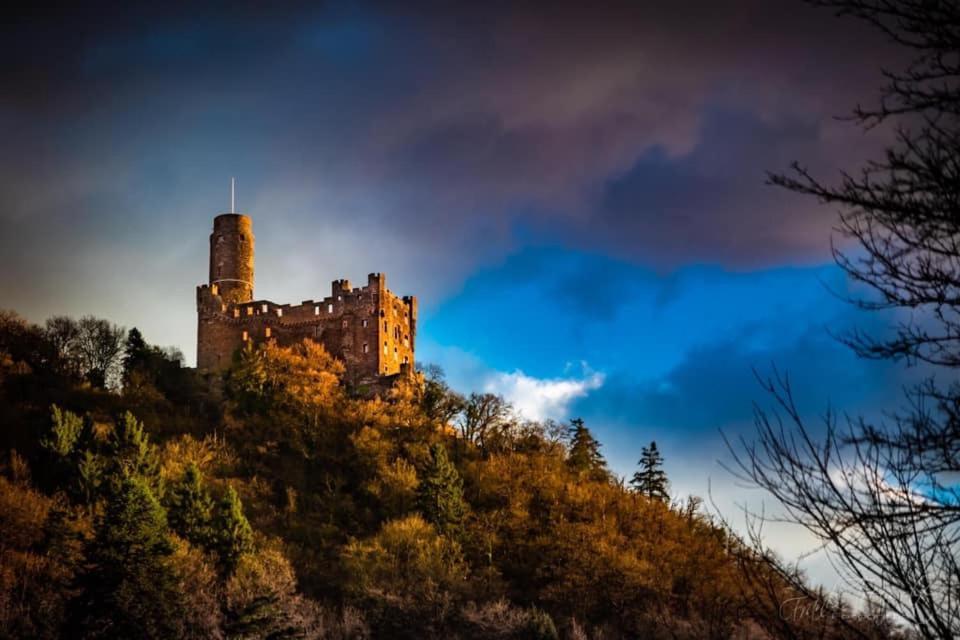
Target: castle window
366 348
279 313
329 308
266 332
245 336
406 359
339 298
223 308
385 326
249 311
316 311
236 313
385 350
264 308
364 324
344 324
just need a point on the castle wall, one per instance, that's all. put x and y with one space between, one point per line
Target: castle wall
369 328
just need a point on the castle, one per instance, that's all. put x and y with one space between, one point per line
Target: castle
368 328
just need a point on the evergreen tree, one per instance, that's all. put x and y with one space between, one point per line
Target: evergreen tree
130 453
136 353
650 479
585 456
232 532
440 494
89 476
64 432
130 590
190 509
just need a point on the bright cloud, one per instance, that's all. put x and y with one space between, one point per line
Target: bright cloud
540 398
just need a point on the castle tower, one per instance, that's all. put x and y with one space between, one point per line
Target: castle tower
368 328
231 257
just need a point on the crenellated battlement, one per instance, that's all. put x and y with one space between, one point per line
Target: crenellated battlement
369 328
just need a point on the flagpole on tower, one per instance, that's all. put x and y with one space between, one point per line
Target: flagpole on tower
233 201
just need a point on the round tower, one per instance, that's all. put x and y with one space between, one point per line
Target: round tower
231 257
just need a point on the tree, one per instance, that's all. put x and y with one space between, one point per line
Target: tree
100 345
190 508
439 401
881 495
63 332
130 590
232 533
90 476
410 572
440 494
585 456
25 344
650 479
64 433
484 416
130 453
136 353
901 212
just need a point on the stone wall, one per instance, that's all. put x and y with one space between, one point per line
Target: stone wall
369 328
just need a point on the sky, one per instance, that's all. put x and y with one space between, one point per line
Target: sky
575 192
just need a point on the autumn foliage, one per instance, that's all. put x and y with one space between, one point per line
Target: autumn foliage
274 502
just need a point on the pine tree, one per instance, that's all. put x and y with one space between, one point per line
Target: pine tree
233 536
130 590
64 433
136 353
89 476
440 494
585 456
650 479
190 508
130 453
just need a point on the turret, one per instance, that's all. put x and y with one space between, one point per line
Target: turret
231 257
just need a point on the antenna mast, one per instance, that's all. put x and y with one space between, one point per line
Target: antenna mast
233 201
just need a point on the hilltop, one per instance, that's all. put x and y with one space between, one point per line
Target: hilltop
139 498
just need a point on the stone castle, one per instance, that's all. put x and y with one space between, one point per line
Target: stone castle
368 328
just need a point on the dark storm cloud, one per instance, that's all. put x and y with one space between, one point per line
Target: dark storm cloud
472 108
713 203
419 138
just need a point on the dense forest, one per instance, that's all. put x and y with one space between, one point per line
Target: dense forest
140 499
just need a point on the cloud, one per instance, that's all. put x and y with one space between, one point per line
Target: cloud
536 398
440 129
540 399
